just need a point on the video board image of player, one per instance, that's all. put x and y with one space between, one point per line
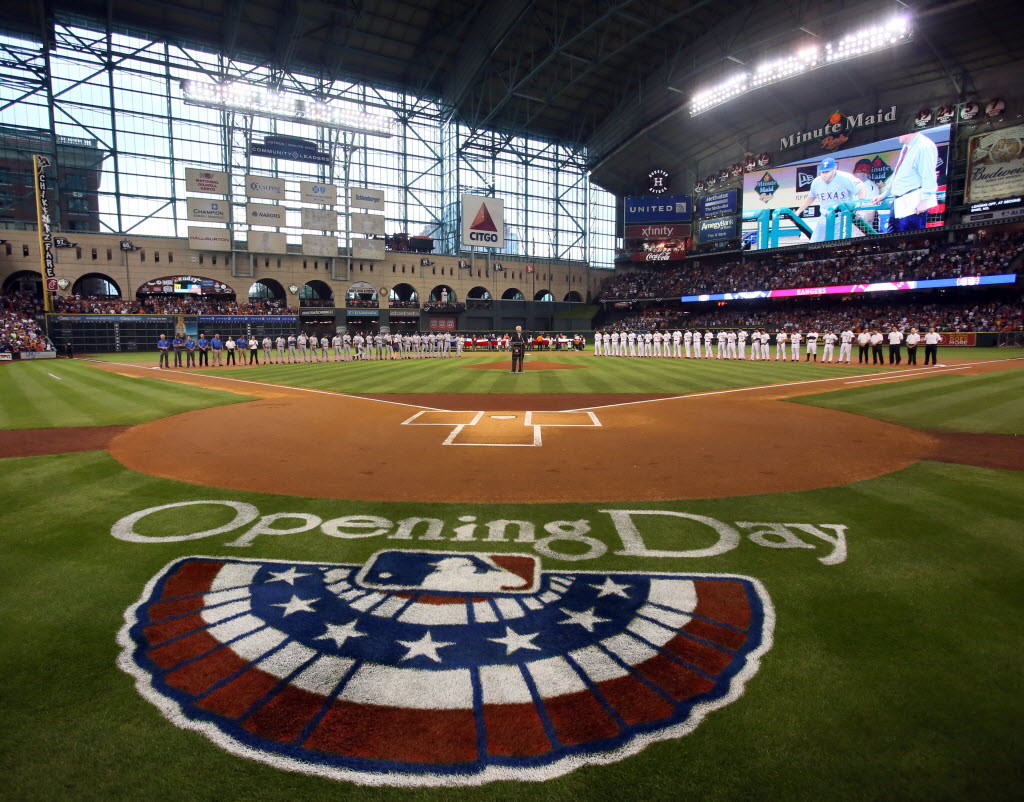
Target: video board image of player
897 184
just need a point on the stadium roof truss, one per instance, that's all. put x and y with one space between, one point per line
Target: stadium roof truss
610 76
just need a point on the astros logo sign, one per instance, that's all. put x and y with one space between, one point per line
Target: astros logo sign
440 668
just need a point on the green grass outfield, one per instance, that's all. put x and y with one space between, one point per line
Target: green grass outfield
895 673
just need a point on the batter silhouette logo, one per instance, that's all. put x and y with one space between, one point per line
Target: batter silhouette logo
426 668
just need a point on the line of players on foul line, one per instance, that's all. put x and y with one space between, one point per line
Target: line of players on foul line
339 348
733 345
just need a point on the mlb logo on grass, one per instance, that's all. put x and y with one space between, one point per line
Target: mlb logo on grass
427 668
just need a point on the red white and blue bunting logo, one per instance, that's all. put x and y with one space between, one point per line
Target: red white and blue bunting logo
428 668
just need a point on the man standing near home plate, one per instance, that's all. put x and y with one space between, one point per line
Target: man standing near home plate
518 342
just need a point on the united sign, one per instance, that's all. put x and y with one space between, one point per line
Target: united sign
430 668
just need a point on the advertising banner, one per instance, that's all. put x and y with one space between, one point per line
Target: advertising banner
319 219
210 211
367 249
318 245
368 224
267 242
719 203
264 214
659 231
257 186
483 221
209 181
995 165
717 230
209 239
962 339
372 199
658 209
292 148
312 192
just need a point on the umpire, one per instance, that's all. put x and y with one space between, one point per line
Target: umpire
518 342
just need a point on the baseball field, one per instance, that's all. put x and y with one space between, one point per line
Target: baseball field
624 578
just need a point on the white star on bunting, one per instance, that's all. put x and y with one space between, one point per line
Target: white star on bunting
425 647
297 605
611 588
340 633
513 641
288 576
584 618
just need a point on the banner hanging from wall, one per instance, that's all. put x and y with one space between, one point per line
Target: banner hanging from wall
211 182
319 219
209 239
267 242
207 210
312 192
368 249
258 186
372 199
372 224
319 245
483 221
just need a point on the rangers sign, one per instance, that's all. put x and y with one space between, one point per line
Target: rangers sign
421 667
483 221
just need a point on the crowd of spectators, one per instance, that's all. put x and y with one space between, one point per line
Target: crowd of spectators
19 330
169 305
445 307
990 255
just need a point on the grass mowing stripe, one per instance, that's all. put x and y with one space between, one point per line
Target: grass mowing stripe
90 397
987 402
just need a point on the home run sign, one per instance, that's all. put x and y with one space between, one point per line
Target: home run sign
440 668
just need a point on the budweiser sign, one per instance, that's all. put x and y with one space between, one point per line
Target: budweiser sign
658 231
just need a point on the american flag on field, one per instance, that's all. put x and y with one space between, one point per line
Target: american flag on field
439 668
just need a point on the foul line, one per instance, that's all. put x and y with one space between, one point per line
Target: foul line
275 386
58 378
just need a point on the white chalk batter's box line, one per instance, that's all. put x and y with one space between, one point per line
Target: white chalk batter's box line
527 421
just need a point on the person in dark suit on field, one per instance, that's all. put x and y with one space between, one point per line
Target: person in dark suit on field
518 343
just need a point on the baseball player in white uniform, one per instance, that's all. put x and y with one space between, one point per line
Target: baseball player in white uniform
830 188
741 343
698 338
830 346
267 344
755 344
845 345
721 341
280 343
336 342
766 339
780 346
677 344
709 348
794 343
688 343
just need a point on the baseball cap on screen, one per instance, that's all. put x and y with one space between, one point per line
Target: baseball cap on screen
826 165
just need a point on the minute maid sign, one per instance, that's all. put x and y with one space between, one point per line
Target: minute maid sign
483 221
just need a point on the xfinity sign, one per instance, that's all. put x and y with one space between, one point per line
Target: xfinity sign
483 221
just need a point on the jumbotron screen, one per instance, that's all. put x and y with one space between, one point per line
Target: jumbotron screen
896 184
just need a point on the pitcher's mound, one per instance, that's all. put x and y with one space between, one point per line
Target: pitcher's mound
528 365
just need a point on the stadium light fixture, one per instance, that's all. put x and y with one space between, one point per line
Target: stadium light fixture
858 43
251 99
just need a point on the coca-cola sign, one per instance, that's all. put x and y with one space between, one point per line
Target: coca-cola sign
657 256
